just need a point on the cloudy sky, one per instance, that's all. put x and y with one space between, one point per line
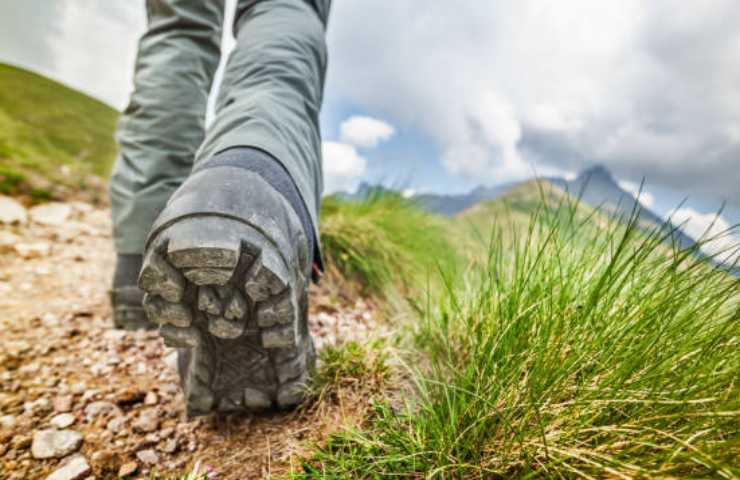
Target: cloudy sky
454 94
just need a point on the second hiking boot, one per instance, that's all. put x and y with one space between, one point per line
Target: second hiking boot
126 297
226 273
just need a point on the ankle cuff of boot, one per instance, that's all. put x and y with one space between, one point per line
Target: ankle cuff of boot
273 172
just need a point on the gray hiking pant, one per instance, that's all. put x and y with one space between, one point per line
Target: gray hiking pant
269 99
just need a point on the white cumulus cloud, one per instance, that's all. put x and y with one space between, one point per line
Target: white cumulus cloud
643 87
342 166
365 132
646 198
713 229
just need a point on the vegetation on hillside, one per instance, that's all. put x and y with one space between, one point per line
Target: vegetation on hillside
580 348
383 241
53 140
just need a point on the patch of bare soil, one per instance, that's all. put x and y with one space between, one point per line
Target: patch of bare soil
80 400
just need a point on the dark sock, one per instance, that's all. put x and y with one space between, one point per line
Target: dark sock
127 270
275 174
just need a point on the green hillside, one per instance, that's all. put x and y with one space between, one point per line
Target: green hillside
53 140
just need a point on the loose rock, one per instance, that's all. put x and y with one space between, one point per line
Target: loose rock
99 409
32 250
116 424
8 241
130 396
105 460
79 388
53 213
55 443
81 207
37 406
128 468
11 211
62 403
148 456
88 395
170 446
151 399
63 420
73 469
8 421
148 421
19 442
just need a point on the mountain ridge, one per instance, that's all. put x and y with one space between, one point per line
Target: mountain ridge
595 186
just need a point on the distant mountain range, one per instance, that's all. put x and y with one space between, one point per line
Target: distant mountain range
595 186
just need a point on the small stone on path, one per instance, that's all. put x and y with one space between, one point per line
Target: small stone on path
20 442
8 421
62 403
74 468
79 388
11 211
148 421
81 207
8 241
128 468
151 399
148 456
32 250
55 443
39 405
53 213
100 408
62 421
116 424
170 446
115 335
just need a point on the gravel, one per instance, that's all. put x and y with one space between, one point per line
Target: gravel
56 327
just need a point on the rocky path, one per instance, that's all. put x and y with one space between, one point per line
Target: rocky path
79 400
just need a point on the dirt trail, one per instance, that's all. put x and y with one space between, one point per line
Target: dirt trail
61 363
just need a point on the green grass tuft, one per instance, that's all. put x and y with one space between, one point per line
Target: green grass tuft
383 240
581 348
351 363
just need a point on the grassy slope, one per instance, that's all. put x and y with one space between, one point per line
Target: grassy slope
52 139
579 348
384 244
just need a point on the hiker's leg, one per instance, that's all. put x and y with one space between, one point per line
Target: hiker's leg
159 132
163 125
228 260
272 91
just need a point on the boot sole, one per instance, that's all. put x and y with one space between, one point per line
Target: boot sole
220 289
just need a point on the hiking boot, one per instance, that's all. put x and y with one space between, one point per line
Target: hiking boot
226 273
126 297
